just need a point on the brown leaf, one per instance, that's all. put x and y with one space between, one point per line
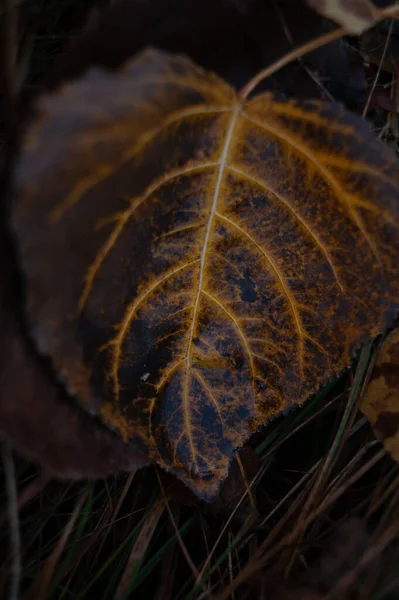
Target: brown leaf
355 15
380 402
40 419
196 264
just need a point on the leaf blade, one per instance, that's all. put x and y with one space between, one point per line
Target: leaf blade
215 277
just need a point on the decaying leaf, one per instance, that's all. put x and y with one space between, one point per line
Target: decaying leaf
196 263
39 418
355 15
380 402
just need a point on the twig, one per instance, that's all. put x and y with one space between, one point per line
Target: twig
289 57
182 545
377 75
391 12
40 587
290 39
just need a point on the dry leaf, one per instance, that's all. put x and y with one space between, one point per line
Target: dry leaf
39 418
380 402
196 264
355 15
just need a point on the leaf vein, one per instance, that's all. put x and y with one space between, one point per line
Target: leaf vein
86 184
282 282
326 174
125 216
118 340
222 164
241 333
301 220
203 383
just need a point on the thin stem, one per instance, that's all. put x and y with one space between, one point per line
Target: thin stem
377 75
289 57
391 12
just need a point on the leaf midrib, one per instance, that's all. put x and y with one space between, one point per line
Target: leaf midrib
221 170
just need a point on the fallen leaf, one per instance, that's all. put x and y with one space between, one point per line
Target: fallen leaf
355 15
196 264
380 402
38 417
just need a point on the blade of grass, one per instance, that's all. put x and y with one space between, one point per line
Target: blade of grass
116 512
346 422
149 566
339 439
71 549
179 538
139 549
130 538
169 562
259 561
40 587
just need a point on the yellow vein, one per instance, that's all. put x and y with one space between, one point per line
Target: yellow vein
327 175
87 183
224 259
181 229
264 341
218 185
166 337
241 333
117 341
270 326
176 447
222 165
170 316
168 373
304 224
354 166
293 111
283 284
377 211
270 361
213 347
125 216
202 382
